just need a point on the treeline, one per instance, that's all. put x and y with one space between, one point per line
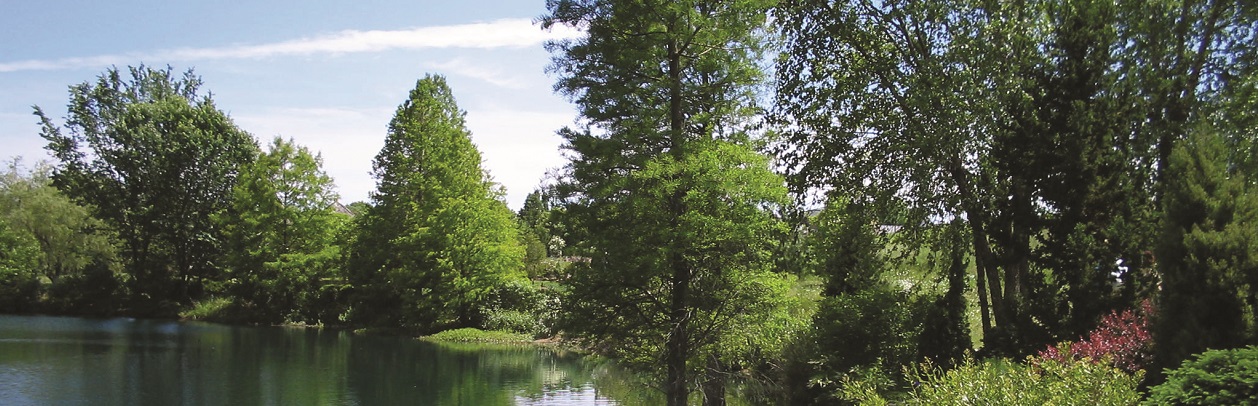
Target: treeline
924 201
158 205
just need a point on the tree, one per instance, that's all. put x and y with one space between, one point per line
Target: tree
663 180
535 233
437 238
281 235
874 318
1208 254
1043 125
889 103
69 238
19 256
156 160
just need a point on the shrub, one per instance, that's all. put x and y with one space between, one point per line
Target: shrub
522 306
867 327
19 284
1217 377
514 321
19 291
212 309
94 292
1037 382
1122 338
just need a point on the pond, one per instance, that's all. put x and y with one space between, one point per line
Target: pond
71 361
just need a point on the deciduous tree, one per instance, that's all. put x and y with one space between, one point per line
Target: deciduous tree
156 160
281 235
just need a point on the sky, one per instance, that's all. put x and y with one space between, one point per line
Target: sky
328 74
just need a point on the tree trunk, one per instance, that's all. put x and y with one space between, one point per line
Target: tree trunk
984 308
985 260
677 347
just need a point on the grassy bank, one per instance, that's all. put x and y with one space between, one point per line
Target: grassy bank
475 335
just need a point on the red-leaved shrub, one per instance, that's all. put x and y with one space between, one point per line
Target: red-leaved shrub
1122 338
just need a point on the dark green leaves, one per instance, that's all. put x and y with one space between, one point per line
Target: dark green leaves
157 160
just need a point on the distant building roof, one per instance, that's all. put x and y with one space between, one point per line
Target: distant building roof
340 208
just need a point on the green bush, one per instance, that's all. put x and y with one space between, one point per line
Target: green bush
19 284
514 321
94 292
1038 382
522 306
1216 377
517 294
861 336
19 291
212 309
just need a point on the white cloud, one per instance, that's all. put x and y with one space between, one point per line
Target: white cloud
507 33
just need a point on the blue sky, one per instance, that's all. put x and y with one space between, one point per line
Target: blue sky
328 74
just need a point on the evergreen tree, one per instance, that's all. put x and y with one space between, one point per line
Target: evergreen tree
437 238
1208 254
535 234
664 182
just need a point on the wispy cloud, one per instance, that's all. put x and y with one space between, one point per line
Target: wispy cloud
492 75
508 33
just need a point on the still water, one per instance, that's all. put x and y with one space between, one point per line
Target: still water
73 361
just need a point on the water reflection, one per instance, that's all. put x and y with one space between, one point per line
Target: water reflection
51 360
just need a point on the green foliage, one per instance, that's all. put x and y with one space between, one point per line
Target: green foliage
625 297
156 161
522 306
437 238
281 233
19 258
52 239
475 335
664 181
535 219
870 324
945 336
1040 382
218 309
788 343
514 321
846 248
97 291
1215 377
1208 254
1046 127
865 336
